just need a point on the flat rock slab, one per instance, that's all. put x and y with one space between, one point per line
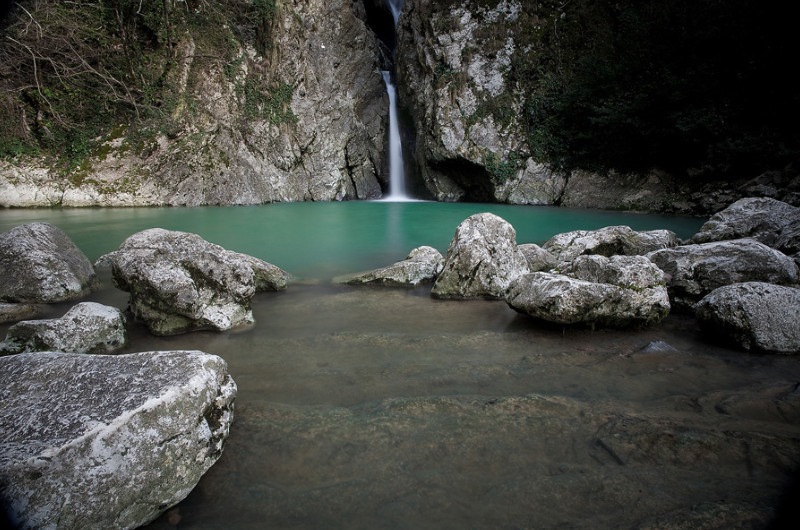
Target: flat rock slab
422 265
94 441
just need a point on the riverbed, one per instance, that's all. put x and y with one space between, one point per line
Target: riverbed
386 408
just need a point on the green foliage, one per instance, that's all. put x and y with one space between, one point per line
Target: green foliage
71 71
500 171
271 104
688 86
264 9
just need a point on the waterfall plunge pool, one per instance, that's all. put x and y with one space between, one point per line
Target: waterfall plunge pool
385 408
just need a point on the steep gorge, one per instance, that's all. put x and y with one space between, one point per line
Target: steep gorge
255 101
294 110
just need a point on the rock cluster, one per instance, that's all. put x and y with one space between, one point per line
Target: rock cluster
619 277
98 441
76 448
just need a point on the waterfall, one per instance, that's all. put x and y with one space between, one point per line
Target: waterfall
395 6
397 178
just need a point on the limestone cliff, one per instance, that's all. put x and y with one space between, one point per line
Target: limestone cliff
491 86
454 60
300 118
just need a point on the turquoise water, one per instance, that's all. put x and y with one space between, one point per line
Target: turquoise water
364 408
322 240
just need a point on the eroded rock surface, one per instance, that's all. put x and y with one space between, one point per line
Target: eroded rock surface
756 316
88 327
39 263
620 291
180 282
482 259
693 271
608 241
97 441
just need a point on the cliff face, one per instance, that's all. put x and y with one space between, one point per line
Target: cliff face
300 118
454 65
497 87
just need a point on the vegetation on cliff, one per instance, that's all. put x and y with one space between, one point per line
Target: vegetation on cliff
70 72
697 88
694 87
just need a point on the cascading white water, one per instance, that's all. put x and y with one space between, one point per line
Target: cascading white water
397 177
395 6
397 184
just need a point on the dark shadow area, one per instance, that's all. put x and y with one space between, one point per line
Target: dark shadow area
381 22
471 177
787 514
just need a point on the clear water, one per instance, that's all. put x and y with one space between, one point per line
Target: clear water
385 408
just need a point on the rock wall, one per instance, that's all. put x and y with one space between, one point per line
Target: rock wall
452 62
303 119
456 68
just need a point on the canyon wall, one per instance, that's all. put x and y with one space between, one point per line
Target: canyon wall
302 118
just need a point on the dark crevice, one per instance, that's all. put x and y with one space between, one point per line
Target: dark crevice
471 177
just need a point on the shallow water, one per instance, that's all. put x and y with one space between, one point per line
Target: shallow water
385 408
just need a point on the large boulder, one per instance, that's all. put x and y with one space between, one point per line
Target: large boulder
422 265
482 259
608 241
99 441
770 221
88 327
180 282
756 316
39 263
693 271
621 291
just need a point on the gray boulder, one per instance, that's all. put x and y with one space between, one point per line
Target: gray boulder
693 271
769 221
99 441
538 258
482 259
756 316
86 328
620 291
422 265
17 312
180 282
609 241
39 263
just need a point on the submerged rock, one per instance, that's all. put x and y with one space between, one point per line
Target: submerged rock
97 441
621 291
693 271
180 282
86 328
756 316
39 263
422 265
482 259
